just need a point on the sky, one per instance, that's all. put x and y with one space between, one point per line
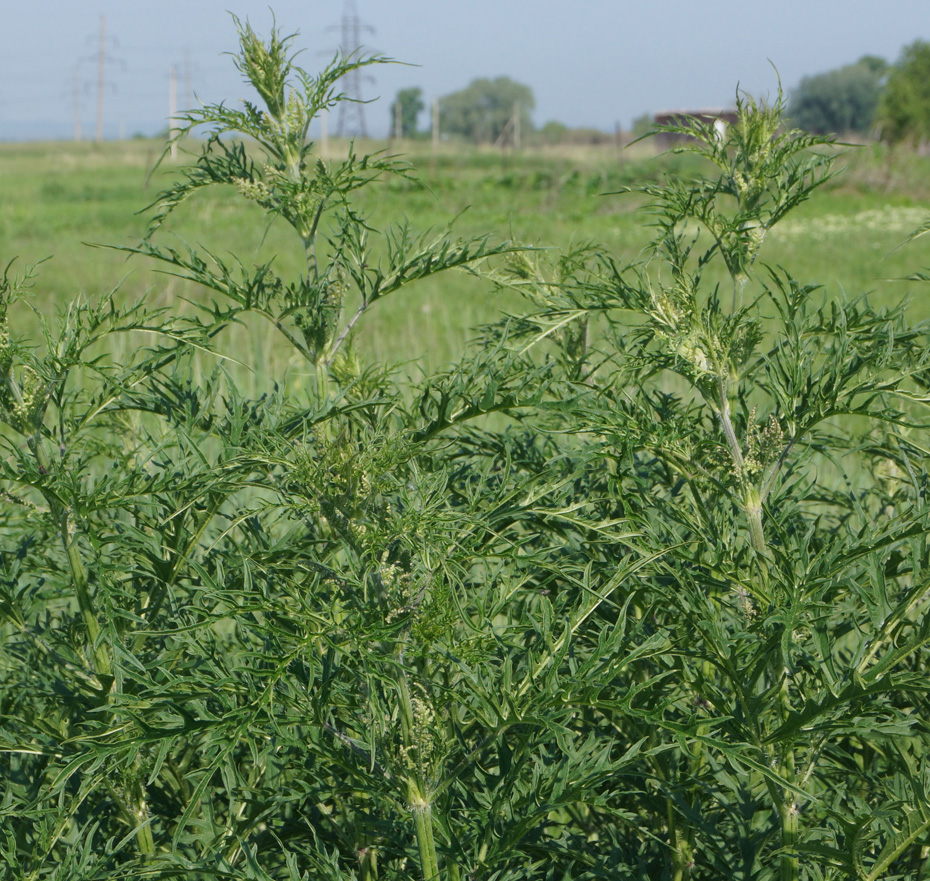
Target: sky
589 63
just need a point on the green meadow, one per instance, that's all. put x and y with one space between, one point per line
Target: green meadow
60 200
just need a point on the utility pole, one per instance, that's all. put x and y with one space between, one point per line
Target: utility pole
76 97
398 121
101 57
435 133
351 118
188 81
516 126
101 75
173 109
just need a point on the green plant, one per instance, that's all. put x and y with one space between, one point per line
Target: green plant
483 110
841 100
256 635
307 194
771 449
634 589
904 108
405 110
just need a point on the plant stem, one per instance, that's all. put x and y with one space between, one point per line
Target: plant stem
789 839
788 806
310 241
739 285
132 805
754 513
322 378
369 864
729 432
140 812
417 795
753 501
102 666
682 853
422 812
334 347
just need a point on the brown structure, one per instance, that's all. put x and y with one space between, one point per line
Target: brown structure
720 119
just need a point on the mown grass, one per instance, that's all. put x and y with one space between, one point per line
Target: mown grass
57 199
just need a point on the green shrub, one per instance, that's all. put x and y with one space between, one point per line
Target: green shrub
635 590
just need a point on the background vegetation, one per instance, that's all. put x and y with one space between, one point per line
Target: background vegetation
904 112
58 197
843 100
483 110
405 112
869 98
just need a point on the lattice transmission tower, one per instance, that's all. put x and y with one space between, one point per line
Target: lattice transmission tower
351 120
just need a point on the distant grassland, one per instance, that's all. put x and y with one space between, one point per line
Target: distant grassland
56 197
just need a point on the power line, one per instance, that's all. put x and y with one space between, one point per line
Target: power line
102 59
352 110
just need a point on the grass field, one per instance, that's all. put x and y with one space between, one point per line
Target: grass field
57 198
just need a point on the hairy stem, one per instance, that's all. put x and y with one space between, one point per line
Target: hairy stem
752 501
132 805
788 811
81 588
418 796
140 813
422 812
334 347
368 864
726 422
310 242
682 851
789 839
754 513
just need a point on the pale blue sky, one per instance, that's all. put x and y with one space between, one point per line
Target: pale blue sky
589 63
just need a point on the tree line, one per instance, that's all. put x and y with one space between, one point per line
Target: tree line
482 112
869 97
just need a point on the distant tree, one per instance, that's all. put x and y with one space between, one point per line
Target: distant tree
841 100
557 133
411 106
482 110
904 111
553 132
642 125
875 63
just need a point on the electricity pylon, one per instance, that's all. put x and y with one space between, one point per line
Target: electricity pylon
351 120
